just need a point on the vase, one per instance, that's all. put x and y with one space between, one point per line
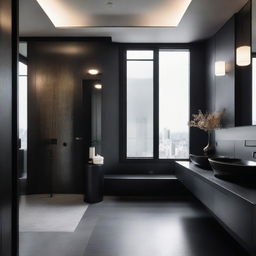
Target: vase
209 149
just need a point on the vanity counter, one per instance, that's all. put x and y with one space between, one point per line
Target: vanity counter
233 205
247 193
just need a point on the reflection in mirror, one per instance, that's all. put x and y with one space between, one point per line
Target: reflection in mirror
92 101
96 103
254 62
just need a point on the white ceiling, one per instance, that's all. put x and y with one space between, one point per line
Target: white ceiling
115 13
202 19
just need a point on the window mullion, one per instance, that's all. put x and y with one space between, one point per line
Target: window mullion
156 104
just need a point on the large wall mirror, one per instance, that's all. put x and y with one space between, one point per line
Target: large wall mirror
245 75
254 61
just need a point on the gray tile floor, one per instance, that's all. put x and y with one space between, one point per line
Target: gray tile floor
42 213
137 227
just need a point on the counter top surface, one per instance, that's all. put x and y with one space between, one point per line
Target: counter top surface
247 193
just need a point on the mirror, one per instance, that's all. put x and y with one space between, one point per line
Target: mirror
92 101
254 62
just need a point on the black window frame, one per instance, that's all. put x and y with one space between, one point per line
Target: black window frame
123 101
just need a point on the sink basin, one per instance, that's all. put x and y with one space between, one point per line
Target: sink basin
232 168
201 161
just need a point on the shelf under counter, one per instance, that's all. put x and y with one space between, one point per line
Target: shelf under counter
232 204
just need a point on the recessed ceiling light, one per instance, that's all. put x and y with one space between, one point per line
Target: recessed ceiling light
93 72
137 13
98 86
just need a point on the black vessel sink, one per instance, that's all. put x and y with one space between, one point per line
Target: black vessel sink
233 169
201 161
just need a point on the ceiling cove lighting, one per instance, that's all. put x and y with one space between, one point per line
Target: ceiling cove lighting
220 68
243 56
168 14
93 71
80 13
60 13
98 86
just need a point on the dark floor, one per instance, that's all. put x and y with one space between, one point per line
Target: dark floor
137 227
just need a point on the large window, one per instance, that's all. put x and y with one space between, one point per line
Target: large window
173 104
157 104
140 104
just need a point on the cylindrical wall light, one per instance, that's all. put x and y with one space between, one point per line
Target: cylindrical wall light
220 68
243 56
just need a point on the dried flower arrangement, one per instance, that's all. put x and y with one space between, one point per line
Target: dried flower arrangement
207 122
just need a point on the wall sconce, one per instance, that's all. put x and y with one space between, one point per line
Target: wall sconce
98 86
93 71
220 68
243 56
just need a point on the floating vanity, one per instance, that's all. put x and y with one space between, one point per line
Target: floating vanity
232 204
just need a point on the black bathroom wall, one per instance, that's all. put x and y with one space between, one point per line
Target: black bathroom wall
8 121
198 90
221 89
56 70
243 76
232 92
237 142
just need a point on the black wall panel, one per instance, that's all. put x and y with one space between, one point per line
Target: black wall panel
56 71
198 138
210 75
8 121
225 86
221 89
233 91
243 76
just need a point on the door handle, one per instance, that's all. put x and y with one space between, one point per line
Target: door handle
78 138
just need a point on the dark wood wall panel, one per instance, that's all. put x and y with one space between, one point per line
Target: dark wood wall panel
40 117
8 131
